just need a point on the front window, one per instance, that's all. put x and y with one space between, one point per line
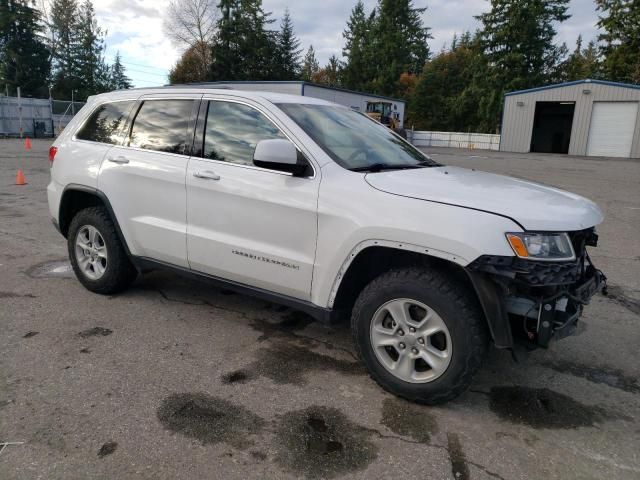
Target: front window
233 130
355 141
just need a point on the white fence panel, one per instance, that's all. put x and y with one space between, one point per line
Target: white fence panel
32 116
480 141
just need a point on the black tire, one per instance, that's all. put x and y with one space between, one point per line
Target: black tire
459 311
119 272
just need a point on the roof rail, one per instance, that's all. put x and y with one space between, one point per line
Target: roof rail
200 85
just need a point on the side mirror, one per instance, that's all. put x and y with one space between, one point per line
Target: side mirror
279 154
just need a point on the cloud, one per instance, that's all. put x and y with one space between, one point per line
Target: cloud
135 28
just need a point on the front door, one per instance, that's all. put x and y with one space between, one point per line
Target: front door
247 224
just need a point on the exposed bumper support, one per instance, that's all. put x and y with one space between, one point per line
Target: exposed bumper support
532 300
493 305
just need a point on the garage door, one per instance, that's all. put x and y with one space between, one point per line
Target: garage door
612 127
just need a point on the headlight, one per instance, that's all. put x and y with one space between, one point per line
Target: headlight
541 246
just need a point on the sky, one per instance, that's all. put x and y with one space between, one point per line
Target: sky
135 28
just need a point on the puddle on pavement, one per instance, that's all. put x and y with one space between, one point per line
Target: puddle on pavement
618 295
16 295
237 376
95 332
408 419
51 269
209 419
321 442
285 363
291 323
459 466
107 449
542 408
603 375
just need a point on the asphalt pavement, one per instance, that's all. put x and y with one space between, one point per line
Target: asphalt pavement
174 379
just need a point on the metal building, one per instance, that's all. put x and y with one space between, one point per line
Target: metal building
349 98
585 117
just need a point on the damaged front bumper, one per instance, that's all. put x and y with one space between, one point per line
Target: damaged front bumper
536 301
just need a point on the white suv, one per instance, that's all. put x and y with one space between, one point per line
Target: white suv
318 207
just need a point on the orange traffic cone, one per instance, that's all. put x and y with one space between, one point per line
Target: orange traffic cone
20 178
27 144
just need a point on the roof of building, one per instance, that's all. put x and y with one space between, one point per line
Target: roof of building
303 83
577 82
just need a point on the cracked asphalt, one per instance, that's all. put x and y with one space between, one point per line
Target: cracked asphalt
174 379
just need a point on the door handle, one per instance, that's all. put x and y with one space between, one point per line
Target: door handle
207 175
119 160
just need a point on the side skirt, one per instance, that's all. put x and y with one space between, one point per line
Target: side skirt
324 315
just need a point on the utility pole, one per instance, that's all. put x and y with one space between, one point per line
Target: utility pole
20 111
73 108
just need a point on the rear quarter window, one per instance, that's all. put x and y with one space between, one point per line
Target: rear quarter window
105 124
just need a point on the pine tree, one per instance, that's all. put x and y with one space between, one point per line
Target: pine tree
517 39
24 57
244 49
119 79
329 75
65 42
447 94
358 68
310 65
621 39
288 62
580 64
400 43
93 72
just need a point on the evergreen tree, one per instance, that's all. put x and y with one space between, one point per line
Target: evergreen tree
288 64
93 72
65 41
244 49
330 74
581 63
621 39
358 69
447 93
310 65
119 79
400 43
24 58
517 38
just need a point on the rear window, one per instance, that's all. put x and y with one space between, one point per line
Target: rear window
162 125
105 123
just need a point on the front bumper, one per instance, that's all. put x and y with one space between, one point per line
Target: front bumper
536 301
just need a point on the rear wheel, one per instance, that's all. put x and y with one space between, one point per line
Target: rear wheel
96 253
419 334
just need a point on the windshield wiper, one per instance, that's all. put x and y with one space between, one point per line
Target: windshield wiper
379 167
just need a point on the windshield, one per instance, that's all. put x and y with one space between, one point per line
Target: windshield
355 141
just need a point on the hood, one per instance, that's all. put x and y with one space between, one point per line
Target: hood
536 207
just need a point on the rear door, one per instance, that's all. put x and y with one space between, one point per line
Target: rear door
144 178
248 224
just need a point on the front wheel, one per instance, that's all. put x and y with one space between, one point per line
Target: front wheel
420 336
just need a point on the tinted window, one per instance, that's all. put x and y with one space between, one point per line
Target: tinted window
105 123
162 125
233 130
